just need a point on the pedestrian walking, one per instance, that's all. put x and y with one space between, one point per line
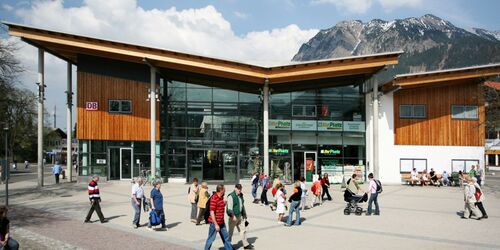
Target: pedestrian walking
295 204
316 190
470 201
6 242
479 175
255 186
479 195
95 199
325 185
472 172
303 200
157 204
137 199
237 215
14 165
280 202
266 184
203 197
26 164
193 199
56 171
216 219
373 190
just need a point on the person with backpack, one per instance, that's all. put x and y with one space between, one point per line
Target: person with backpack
374 188
216 219
266 185
202 202
236 211
255 185
193 199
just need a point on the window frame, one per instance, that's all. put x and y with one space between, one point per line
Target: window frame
464 170
464 112
412 115
303 110
412 163
120 106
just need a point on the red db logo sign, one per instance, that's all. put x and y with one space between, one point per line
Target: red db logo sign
91 106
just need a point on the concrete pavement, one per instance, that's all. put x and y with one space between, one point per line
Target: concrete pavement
411 218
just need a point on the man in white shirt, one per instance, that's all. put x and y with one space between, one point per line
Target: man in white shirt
414 177
372 189
137 197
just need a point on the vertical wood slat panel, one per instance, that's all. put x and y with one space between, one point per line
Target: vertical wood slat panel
100 124
438 128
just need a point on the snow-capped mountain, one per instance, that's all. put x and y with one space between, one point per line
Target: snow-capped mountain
429 43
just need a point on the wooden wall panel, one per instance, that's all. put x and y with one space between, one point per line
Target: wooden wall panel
100 124
438 128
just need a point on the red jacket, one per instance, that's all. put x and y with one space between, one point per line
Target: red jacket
217 205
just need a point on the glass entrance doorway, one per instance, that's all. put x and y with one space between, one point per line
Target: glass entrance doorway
212 165
120 163
304 164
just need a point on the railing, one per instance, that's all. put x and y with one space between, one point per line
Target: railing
492 142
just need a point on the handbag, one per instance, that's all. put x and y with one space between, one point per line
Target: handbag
154 219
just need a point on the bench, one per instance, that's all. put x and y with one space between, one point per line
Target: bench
406 178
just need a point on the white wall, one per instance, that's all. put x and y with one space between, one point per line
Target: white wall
438 157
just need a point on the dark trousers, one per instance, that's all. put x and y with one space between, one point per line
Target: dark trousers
325 191
57 178
97 208
137 212
478 180
263 197
481 208
201 215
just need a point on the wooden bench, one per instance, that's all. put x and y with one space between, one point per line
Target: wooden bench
406 178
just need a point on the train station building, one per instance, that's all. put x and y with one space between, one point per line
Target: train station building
182 116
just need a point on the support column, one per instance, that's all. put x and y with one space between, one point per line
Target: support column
496 160
69 130
375 130
152 99
266 126
41 99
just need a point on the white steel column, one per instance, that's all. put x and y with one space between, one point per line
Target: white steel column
496 160
375 130
41 97
69 130
152 99
266 126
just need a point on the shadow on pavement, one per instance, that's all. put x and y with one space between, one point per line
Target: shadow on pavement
172 225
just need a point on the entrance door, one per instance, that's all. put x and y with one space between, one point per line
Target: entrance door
230 164
120 163
310 165
298 164
210 165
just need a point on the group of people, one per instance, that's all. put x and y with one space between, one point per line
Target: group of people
214 208
425 178
473 198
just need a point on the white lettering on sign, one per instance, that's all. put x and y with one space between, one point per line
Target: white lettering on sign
91 106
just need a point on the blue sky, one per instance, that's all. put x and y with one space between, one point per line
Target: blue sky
264 32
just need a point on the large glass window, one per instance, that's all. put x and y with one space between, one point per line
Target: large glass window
412 111
464 112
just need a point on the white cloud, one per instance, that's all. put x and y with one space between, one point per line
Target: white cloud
393 4
351 6
7 7
201 31
240 15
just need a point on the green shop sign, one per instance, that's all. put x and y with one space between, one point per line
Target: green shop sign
278 151
330 151
329 126
280 124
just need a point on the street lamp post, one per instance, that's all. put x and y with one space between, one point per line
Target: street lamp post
6 129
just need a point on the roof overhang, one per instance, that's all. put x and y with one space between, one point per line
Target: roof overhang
442 77
68 46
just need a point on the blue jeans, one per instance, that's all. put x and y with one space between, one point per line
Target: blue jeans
254 190
223 234
373 199
11 245
294 207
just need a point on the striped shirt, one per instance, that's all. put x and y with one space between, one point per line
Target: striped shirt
217 204
94 191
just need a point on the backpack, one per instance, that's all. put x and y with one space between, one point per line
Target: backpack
379 186
268 184
206 215
154 219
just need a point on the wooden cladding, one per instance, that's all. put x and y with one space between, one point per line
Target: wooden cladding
102 125
438 128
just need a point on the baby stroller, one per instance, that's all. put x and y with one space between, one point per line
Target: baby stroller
352 200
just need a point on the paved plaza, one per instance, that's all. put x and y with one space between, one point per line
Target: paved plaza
411 218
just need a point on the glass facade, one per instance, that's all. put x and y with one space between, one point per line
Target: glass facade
210 133
317 131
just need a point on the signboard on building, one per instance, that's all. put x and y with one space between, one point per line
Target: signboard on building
280 124
354 126
304 125
330 126
91 106
279 151
101 161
